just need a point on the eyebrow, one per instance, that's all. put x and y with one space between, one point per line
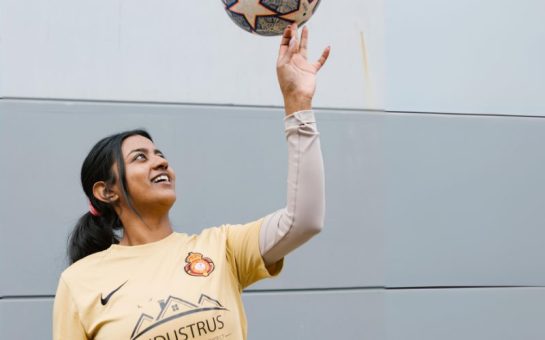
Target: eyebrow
144 150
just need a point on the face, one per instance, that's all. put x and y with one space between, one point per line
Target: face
150 180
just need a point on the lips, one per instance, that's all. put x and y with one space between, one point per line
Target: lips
161 178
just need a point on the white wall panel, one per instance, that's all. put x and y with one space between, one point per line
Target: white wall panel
179 51
465 56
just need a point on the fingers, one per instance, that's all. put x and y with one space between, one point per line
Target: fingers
304 42
286 43
318 64
290 45
294 42
286 36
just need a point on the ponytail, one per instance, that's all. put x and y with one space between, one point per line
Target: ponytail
92 234
95 231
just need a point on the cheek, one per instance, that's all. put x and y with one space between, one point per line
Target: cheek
172 173
136 179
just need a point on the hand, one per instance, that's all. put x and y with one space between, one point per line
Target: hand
296 75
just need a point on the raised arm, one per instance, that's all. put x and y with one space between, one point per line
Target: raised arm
303 216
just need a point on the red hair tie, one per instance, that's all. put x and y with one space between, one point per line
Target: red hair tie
93 210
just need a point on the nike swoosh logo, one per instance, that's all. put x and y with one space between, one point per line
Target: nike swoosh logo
105 300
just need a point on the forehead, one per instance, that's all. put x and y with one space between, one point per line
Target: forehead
136 142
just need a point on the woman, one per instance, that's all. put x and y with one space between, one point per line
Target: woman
153 283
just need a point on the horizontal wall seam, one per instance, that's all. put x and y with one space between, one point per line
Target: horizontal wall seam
307 290
160 103
465 114
462 287
26 297
339 289
279 107
303 290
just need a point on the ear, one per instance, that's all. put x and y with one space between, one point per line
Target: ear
103 193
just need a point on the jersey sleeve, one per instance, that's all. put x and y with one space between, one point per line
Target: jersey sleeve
66 321
245 255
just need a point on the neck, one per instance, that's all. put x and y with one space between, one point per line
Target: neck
148 228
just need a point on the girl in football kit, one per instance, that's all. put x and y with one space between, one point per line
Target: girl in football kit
155 284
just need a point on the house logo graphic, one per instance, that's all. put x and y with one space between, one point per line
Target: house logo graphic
174 308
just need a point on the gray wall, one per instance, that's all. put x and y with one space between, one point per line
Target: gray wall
465 56
434 224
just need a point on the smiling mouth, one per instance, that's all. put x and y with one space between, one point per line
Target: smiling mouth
162 178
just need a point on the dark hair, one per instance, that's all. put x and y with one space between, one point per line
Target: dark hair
96 233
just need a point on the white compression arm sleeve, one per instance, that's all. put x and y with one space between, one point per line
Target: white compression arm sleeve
303 217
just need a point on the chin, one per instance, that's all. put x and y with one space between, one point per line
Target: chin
162 202
168 200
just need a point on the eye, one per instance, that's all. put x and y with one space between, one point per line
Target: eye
139 156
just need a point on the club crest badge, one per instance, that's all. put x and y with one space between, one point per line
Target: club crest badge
198 265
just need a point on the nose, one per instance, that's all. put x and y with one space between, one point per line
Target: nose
160 163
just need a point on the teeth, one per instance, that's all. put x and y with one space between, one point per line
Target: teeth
161 179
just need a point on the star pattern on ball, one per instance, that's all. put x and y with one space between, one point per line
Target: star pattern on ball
251 10
305 10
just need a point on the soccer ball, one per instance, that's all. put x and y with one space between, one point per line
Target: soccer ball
269 17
